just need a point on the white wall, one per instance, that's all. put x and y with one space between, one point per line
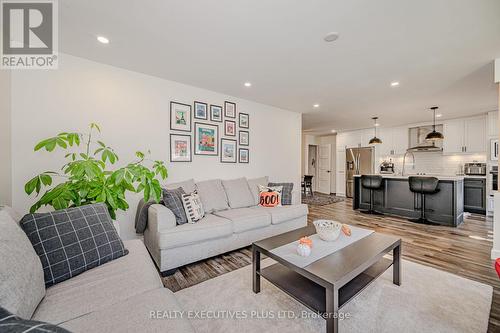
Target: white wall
5 140
133 111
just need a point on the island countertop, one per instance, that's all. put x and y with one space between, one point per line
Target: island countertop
440 177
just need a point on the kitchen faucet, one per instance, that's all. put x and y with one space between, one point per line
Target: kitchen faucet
404 161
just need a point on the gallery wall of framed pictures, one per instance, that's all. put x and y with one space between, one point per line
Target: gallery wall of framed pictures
230 140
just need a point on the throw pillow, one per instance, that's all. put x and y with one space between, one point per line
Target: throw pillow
254 183
172 199
286 195
10 323
22 286
238 193
193 207
270 196
73 240
212 195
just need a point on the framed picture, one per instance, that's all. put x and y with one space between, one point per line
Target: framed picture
180 117
229 109
244 155
244 120
206 138
180 148
230 128
216 113
200 110
244 139
228 151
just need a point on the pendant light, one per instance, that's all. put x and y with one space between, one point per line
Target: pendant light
434 136
375 140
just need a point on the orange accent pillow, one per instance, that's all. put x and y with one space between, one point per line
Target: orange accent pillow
270 196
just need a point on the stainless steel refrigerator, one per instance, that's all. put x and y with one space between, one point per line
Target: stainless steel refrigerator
359 161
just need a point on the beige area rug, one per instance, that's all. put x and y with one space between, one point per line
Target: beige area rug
429 300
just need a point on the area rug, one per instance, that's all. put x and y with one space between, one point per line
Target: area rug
429 300
320 199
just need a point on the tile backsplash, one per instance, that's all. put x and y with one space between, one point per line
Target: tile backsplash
433 162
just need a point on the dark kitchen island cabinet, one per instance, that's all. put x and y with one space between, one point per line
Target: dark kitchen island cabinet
475 195
446 207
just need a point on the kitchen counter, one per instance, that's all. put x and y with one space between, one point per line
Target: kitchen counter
394 176
446 207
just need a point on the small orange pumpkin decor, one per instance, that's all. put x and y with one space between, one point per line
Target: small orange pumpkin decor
346 230
306 241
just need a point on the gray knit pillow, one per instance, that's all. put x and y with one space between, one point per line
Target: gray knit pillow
286 194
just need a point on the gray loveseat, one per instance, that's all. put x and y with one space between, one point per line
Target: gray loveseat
233 220
118 296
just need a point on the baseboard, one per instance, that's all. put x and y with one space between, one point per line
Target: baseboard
495 254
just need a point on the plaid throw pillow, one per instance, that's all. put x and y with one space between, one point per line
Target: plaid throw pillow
286 194
10 323
172 199
73 240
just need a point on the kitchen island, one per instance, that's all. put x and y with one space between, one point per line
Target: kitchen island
446 207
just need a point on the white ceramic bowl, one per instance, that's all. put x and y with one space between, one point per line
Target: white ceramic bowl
328 230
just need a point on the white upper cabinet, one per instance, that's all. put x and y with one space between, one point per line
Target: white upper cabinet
400 140
394 141
453 131
341 141
475 135
465 135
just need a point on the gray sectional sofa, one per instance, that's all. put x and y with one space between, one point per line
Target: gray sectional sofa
115 297
233 220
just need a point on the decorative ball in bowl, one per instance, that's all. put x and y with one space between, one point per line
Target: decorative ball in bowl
328 230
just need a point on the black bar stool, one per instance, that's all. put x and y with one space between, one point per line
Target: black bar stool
307 184
371 182
423 186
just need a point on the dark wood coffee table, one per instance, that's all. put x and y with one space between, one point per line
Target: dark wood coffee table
330 282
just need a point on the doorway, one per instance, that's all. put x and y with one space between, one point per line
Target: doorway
312 164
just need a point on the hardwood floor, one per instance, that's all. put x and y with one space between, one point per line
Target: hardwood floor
464 251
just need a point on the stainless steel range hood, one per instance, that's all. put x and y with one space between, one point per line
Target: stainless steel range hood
418 142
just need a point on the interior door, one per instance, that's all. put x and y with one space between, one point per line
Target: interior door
324 168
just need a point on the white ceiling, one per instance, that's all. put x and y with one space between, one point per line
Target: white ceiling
441 51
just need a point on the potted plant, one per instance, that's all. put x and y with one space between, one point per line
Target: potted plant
86 179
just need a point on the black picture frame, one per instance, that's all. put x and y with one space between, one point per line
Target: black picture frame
190 148
239 138
240 115
216 139
248 155
195 116
229 109
212 118
173 126
222 140
225 127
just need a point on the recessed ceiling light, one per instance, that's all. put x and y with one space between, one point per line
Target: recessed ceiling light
331 37
316 105
394 84
334 131
103 39
439 115
248 84
377 125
